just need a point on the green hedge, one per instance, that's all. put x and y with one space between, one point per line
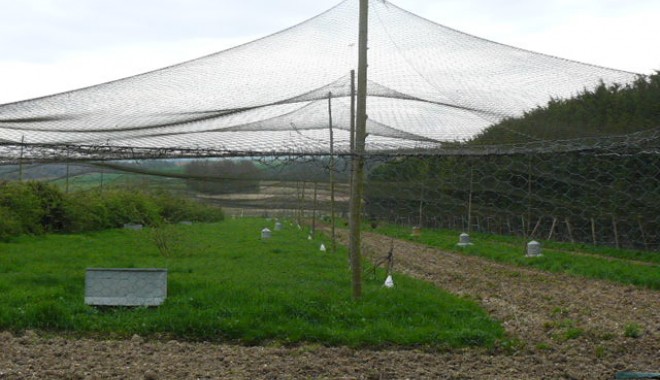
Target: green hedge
38 207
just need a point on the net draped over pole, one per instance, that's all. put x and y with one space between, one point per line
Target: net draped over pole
289 101
428 84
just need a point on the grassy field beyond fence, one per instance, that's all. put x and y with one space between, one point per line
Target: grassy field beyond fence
225 283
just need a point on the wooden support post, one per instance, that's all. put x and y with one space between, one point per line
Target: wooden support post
552 228
529 194
469 211
358 156
641 229
570 230
314 209
66 189
333 238
536 227
20 160
616 232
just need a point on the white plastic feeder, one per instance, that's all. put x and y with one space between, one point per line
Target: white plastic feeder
266 234
464 240
389 282
534 249
322 249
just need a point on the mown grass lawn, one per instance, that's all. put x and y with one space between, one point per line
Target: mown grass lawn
616 265
225 283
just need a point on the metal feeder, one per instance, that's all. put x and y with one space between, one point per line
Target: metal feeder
125 286
464 240
266 234
534 249
278 226
133 226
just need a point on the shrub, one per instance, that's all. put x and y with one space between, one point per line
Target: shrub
22 206
37 207
52 204
86 211
125 206
175 210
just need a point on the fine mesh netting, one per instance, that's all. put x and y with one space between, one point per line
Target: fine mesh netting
428 84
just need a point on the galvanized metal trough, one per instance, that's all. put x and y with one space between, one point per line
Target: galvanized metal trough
125 286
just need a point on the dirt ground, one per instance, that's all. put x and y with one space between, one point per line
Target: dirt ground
566 328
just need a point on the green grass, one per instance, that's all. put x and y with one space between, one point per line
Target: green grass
225 283
621 266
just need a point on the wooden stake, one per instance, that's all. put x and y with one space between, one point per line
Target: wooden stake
67 172
536 227
469 215
314 210
552 228
20 161
570 230
616 233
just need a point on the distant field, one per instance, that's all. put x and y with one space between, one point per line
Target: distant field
623 266
225 283
96 180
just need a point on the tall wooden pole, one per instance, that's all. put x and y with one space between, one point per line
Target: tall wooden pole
469 215
352 137
352 141
358 156
333 239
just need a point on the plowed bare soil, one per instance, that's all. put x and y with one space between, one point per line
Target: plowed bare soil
563 327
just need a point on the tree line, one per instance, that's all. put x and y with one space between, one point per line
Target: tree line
609 196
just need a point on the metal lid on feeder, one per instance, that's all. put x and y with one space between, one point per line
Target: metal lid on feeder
534 249
265 233
464 240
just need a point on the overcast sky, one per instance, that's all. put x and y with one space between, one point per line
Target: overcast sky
49 46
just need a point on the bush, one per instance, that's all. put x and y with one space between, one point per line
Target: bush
52 204
10 226
37 207
176 210
86 211
22 207
125 206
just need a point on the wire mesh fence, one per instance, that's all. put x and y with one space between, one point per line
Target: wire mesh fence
603 197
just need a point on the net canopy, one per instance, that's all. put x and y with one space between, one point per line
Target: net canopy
428 85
